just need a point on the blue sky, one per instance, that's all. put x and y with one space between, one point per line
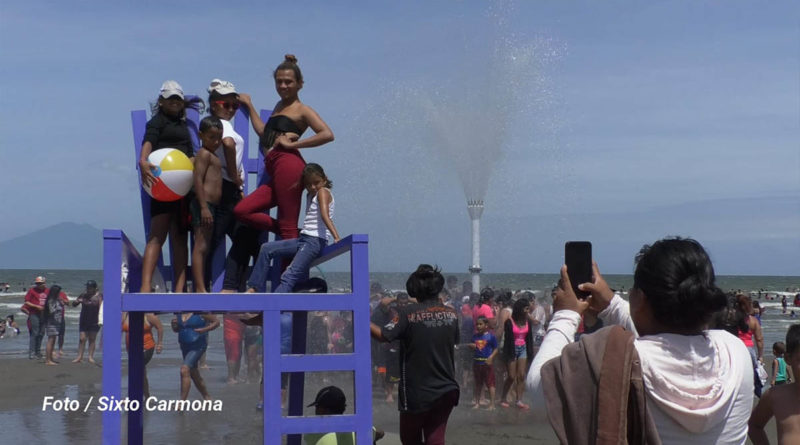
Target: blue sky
637 119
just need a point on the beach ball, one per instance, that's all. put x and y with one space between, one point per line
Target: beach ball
174 174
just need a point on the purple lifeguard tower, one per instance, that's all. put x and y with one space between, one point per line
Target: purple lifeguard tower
122 280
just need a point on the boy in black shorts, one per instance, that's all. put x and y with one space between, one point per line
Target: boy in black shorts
208 191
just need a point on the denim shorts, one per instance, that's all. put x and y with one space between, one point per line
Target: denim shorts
520 352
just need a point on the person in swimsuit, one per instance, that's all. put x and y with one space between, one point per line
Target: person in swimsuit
518 349
150 346
749 331
88 325
192 332
279 141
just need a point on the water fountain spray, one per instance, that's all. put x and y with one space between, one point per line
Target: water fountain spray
475 209
495 88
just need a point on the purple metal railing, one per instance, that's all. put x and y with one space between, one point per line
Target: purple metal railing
241 123
117 246
122 278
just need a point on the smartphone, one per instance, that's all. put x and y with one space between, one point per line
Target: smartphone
578 258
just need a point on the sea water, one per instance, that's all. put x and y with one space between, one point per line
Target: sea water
73 282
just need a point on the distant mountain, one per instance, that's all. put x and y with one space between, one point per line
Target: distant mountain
65 245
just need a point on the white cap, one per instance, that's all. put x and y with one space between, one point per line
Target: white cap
171 88
221 87
465 299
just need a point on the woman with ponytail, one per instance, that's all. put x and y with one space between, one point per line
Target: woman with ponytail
674 379
280 143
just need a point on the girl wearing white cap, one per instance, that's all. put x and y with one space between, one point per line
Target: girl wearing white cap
168 127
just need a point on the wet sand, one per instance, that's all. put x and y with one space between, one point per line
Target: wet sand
24 384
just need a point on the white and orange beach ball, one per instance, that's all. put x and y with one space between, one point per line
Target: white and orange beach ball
173 171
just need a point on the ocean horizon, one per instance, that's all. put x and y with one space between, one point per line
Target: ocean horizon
73 280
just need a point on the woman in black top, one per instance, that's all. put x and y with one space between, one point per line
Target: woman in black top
279 141
167 128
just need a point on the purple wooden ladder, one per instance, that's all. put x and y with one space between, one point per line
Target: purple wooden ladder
122 279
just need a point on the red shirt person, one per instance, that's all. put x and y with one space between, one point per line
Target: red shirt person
33 306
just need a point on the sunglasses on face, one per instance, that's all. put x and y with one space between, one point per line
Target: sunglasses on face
226 104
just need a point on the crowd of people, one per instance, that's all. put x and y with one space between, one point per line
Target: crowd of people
499 333
679 361
646 370
45 308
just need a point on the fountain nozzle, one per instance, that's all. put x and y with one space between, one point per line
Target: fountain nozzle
475 208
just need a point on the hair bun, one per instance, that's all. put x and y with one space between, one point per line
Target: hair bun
690 288
426 273
426 282
693 291
290 58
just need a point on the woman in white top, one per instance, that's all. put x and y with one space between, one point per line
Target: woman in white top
223 102
318 224
698 382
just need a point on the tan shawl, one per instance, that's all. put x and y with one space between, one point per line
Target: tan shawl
594 392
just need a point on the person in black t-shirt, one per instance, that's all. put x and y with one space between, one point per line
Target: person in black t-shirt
428 332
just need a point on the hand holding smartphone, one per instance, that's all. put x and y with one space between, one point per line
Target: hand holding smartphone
578 258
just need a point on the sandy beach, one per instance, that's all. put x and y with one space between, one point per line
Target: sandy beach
25 383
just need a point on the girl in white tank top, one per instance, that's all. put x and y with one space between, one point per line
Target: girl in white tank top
317 225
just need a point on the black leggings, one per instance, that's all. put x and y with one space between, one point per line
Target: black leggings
245 246
244 240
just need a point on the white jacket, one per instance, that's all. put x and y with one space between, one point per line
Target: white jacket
699 387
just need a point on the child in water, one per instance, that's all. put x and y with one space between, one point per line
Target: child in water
780 375
317 225
167 128
782 401
485 345
207 191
